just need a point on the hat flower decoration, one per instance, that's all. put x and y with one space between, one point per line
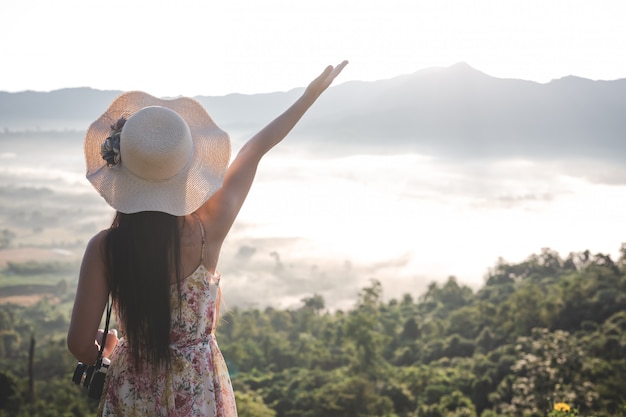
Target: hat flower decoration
110 148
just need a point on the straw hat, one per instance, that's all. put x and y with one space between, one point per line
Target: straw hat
172 156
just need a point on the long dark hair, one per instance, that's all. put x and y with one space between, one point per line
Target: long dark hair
142 254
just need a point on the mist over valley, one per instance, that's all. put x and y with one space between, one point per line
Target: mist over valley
407 180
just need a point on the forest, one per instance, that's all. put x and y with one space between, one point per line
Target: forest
543 337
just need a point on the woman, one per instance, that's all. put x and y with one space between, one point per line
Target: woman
163 165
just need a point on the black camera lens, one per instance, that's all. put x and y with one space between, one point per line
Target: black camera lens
97 383
88 375
78 373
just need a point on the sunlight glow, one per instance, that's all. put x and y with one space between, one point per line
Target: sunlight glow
195 47
377 213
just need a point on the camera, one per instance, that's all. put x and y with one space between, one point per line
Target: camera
91 377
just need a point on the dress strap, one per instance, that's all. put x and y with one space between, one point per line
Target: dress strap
202 232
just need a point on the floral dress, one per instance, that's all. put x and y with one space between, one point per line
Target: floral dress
198 383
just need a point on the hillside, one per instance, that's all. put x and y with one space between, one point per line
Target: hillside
456 111
546 330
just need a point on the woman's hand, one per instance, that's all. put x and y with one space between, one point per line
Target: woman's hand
325 79
110 343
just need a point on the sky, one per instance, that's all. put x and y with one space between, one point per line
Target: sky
190 47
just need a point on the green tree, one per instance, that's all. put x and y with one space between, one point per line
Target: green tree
351 396
6 238
315 303
251 405
550 368
363 329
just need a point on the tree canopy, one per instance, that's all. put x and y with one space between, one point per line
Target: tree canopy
544 331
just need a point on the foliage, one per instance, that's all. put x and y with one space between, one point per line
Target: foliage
35 267
545 332
252 405
6 238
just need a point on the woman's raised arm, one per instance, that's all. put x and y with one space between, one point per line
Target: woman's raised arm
222 208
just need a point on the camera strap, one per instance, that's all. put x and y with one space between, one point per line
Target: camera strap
106 331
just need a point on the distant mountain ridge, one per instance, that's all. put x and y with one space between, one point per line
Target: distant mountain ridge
456 110
459 110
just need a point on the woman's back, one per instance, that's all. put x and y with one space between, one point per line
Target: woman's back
193 252
199 385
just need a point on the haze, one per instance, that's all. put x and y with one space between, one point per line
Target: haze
195 47
407 180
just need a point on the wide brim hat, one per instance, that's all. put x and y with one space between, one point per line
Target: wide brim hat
172 155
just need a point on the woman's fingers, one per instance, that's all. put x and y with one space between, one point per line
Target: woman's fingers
330 73
99 336
337 70
110 343
326 78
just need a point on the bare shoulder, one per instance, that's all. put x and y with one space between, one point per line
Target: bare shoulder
98 240
91 295
96 246
92 280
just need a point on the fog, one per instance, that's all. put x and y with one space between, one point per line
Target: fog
407 180
408 220
328 225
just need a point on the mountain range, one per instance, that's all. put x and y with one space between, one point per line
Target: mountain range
455 111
